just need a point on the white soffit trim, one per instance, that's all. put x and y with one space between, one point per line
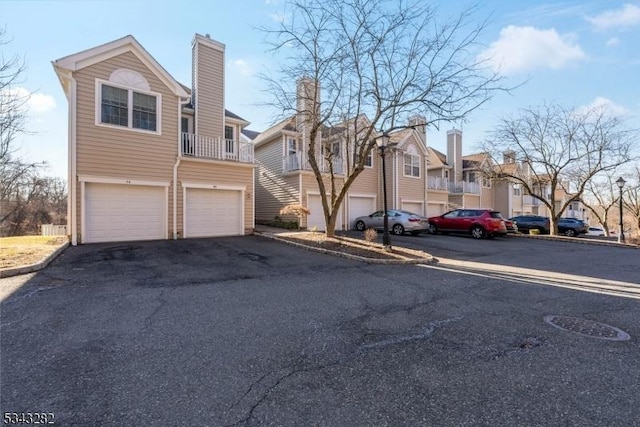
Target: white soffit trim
212 186
117 47
109 180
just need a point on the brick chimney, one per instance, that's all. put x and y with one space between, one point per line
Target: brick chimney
207 93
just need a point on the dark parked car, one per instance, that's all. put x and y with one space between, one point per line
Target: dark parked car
532 222
479 223
572 227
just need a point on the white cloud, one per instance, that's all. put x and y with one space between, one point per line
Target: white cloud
628 16
521 49
613 41
241 66
278 17
36 102
603 105
41 103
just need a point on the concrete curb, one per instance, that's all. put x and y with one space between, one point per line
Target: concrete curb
33 267
580 240
401 259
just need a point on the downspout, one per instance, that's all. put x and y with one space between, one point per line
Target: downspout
175 172
396 181
72 207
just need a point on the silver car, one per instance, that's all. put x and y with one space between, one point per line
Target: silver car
399 222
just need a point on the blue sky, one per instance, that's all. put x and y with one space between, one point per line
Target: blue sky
577 53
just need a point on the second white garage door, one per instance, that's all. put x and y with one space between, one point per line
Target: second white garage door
360 206
210 213
316 217
118 212
414 207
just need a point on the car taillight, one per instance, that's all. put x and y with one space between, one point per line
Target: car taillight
414 219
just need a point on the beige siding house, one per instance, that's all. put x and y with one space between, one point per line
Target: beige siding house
148 157
285 176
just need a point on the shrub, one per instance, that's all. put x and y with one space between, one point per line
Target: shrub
279 223
370 235
296 210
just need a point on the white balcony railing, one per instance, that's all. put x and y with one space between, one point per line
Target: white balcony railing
216 148
437 183
464 187
530 200
299 161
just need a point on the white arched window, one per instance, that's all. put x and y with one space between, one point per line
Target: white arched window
126 101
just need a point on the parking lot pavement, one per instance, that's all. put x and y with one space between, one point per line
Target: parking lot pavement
247 331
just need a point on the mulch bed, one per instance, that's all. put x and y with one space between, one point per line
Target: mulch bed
351 246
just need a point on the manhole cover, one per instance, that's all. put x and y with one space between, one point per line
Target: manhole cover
587 328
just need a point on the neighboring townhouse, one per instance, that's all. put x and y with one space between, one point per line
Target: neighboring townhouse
285 176
150 158
438 172
455 180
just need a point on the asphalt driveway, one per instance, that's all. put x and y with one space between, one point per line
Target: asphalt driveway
247 331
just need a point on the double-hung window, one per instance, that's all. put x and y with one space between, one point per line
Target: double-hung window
128 108
412 165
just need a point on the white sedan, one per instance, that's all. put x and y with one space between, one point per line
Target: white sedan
595 231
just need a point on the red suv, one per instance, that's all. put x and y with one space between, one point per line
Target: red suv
479 223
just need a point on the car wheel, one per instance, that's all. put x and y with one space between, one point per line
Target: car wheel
360 226
570 232
478 232
433 229
397 229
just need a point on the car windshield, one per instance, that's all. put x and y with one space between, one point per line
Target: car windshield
496 215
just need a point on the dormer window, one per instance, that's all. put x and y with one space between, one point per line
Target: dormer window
125 101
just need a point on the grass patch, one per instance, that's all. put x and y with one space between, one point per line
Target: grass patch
26 250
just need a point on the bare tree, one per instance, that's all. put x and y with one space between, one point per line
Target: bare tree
16 175
631 197
601 197
561 149
377 62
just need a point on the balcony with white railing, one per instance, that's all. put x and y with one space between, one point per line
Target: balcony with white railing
300 162
464 187
530 200
437 183
204 147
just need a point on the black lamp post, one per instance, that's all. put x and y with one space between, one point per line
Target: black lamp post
621 182
383 143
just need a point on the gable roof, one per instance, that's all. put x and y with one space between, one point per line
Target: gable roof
437 159
287 124
77 61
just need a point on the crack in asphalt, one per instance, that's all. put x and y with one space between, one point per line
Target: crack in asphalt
426 331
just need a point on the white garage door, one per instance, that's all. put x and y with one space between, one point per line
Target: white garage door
360 206
213 213
316 217
414 207
434 209
117 212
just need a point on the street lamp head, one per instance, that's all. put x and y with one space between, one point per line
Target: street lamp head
621 182
383 140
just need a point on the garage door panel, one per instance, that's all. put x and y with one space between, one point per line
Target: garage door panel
116 212
413 207
360 206
211 213
316 218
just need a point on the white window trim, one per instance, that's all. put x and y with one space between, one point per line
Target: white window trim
130 90
416 156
